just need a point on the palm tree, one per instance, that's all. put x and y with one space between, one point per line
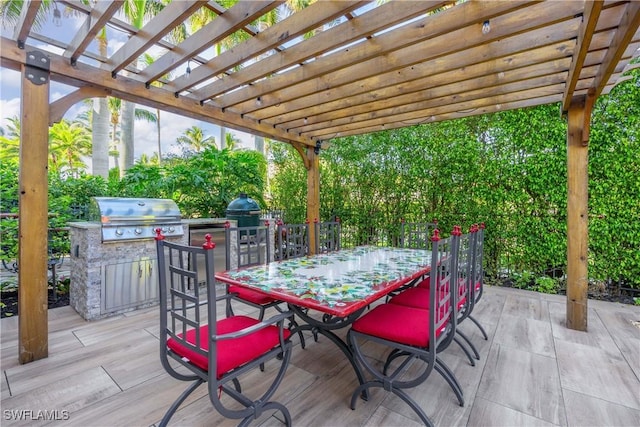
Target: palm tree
100 122
10 141
68 142
146 160
193 140
148 60
116 106
231 141
200 19
136 12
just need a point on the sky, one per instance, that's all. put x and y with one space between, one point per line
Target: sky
145 137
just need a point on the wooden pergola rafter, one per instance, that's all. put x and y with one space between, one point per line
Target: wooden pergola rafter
365 67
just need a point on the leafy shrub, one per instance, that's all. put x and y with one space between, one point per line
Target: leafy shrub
546 285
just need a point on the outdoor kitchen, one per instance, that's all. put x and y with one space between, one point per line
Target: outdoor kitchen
113 262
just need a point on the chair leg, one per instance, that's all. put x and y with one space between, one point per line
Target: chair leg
465 350
473 347
484 334
440 367
236 384
400 393
292 325
175 405
229 309
450 378
395 353
268 406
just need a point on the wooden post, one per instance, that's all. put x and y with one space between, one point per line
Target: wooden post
33 208
577 210
313 194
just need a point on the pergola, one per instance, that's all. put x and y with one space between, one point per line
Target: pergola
367 67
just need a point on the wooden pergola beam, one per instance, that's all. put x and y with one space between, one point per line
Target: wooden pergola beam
469 93
433 37
25 21
590 20
296 25
376 20
161 24
429 76
95 22
626 30
58 108
235 18
491 108
129 89
423 110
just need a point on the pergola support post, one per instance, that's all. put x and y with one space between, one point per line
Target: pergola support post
33 340
313 194
577 211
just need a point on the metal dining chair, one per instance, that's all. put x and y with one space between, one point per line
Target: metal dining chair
251 246
327 236
477 275
197 348
292 240
418 296
412 334
415 235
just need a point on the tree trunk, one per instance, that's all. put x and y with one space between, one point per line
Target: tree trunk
126 129
223 139
259 143
100 137
159 141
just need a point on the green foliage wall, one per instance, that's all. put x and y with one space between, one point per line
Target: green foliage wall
506 169
202 185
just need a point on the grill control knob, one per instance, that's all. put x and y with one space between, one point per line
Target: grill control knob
164 229
172 229
119 232
138 230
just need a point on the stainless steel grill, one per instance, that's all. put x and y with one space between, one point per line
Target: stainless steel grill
135 218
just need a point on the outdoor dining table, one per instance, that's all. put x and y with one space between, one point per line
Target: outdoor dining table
339 285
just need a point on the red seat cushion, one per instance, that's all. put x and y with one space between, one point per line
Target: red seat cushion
231 353
397 323
419 298
415 297
249 295
425 283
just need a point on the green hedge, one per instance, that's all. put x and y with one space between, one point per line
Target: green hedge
507 170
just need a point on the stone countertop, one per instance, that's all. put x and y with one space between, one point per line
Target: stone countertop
85 224
204 221
186 221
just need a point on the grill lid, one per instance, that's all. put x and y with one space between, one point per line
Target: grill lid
125 218
118 209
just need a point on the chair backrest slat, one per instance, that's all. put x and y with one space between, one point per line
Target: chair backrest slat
478 271
465 270
292 240
327 236
416 235
251 245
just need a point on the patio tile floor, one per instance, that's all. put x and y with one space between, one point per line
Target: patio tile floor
533 371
